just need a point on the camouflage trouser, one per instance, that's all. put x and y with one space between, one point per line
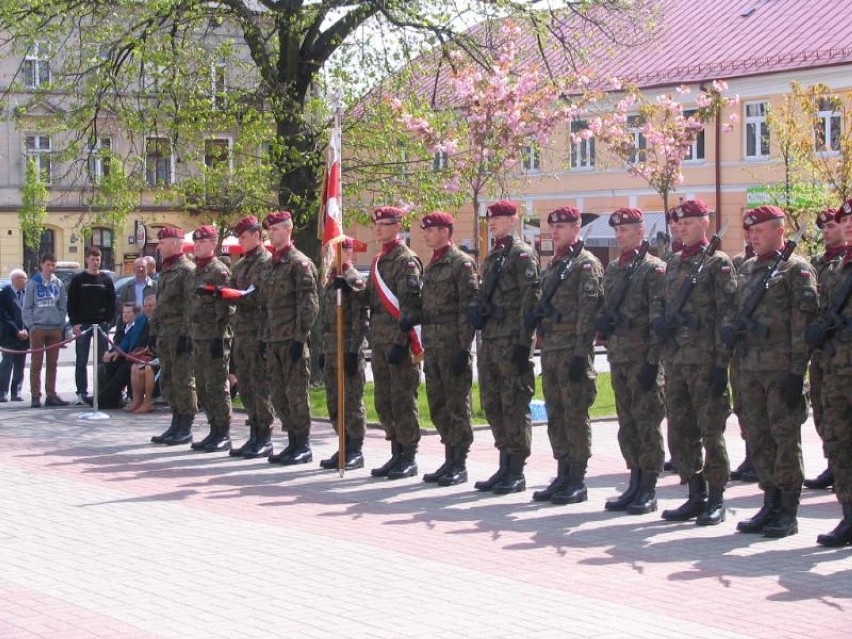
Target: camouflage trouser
736 397
568 403
253 380
774 431
505 394
355 415
176 380
815 377
211 381
696 420
288 386
448 395
837 432
395 393
640 414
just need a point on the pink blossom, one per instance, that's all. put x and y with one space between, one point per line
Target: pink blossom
719 86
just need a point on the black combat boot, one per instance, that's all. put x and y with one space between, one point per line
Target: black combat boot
211 436
262 446
457 474
513 481
495 479
183 433
407 464
557 484
252 440
714 511
354 454
694 504
785 522
821 482
222 440
301 452
573 490
382 471
842 534
745 471
291 444
771 506
626 498
161 439
443 468
331 463
646 495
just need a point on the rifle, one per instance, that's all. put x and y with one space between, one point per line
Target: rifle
607 322
732 333
479 312
820 334
674 318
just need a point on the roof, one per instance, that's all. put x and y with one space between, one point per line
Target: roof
600 233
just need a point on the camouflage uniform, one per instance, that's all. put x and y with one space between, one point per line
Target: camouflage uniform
396 384
356 323
250 366
289 304
171 324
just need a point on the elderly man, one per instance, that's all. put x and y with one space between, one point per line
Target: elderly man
136 291
13 336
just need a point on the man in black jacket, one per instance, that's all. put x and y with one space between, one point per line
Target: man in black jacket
13 336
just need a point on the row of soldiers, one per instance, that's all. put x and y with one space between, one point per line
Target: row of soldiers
672 328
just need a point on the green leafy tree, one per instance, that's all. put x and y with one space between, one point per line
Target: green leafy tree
33 212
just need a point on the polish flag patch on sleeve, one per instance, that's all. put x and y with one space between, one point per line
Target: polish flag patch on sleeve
587 266
805 272
725 269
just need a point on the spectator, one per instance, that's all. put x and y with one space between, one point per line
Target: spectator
142 376
44 312
140 288
91 302
114 373
13 336
151 265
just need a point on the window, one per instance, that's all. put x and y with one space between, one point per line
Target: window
38 150
640 143
158 161
217 152
440 161
582 151
827 128
218 86
696 152
531 159
36 67
99 159
756 130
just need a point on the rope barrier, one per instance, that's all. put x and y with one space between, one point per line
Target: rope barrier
30 351
123 353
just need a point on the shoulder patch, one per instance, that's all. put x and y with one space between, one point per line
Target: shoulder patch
587 266
305 264
468 265
805 272
725 269
523 256
660 268
412 264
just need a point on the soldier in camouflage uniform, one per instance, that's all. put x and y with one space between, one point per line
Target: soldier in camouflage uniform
449 284
745 471
835 247
572 293
356 321
696 365
509 293
174 347
289 304
250 366
773 361
633 351
837 380
393 293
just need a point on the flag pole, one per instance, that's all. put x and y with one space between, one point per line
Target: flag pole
341 379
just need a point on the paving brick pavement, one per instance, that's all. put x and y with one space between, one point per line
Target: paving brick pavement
105 535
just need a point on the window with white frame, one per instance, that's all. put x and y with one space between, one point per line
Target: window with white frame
756 130
158 161
440 161
696 151
827 127
99 158
640 143
36 67
38 150
217 152
218 86
531 158
582 151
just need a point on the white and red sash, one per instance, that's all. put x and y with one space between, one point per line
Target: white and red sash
391 304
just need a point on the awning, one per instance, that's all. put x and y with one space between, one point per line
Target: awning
601 234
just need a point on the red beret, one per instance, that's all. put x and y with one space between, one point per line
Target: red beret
844 210
437 219
169 231
690 208
206 232
248 223
762 214
351 243
501 208
626 215
276 218
564 214
392 213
